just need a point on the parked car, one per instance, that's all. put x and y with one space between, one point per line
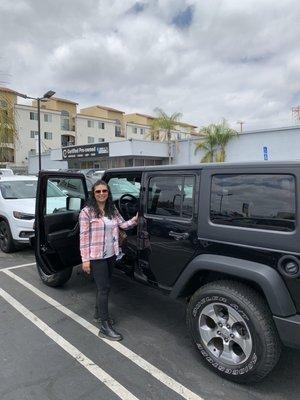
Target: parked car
17 208
6 172
222 237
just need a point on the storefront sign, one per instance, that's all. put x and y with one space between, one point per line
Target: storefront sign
85 151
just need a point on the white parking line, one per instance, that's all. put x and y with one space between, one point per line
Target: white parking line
135 358
86 362
17 266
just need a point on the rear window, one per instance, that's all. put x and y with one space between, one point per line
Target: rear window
261 201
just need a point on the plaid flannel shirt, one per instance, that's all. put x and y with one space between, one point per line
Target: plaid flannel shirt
92 234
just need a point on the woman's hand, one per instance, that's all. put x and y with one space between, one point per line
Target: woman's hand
135 218
86 267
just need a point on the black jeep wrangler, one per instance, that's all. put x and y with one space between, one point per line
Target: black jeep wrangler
225 238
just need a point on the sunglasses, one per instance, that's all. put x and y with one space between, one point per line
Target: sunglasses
101 191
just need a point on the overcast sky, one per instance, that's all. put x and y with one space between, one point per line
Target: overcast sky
208 59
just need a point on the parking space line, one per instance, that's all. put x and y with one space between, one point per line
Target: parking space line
86 362
17 266
135 358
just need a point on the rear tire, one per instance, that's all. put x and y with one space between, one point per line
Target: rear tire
54 280
234 331
7 244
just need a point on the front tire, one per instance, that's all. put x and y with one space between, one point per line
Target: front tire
54 280
7 244
233 328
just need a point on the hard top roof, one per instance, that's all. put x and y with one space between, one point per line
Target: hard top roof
202 166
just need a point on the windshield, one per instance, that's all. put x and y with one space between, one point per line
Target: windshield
18 189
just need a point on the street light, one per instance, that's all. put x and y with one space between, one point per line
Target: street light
47 95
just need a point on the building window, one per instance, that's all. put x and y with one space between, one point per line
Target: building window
134 129
48 135
91 139
244 200
47 118
142 131
64 120
33 115
3 104
33 134
90 123
118 132
100 139
101 125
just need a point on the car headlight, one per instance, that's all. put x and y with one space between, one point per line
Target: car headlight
21 215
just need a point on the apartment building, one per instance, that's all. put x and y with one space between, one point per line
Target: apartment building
62 126
99 124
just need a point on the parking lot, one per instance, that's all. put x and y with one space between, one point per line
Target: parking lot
50 349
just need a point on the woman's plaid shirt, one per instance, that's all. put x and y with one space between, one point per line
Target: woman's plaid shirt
92 234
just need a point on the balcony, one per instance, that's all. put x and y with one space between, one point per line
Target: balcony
67 140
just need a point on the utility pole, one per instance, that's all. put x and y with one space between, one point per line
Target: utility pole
241 125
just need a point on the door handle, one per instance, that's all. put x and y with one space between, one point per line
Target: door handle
179 235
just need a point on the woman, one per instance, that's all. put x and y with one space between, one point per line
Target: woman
99 245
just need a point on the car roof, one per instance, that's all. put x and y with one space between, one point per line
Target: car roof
18 178
201 166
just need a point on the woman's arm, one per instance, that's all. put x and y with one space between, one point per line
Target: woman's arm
126 224
84 223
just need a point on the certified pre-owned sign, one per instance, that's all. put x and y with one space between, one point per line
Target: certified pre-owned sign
88 150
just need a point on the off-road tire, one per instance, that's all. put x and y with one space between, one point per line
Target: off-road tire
249 305
54 280
7 244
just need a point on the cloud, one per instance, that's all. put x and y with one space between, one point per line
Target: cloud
208 60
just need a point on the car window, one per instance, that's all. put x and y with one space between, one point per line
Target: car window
121 186
18 189
64 195
70 186
261 201
171 196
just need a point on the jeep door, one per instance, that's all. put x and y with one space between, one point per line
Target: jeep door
168 238
60 197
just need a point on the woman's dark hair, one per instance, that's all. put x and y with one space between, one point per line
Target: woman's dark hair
109 208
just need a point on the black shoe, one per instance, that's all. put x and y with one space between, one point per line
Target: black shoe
98 319
108 332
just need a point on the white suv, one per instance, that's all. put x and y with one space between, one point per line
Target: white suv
17 208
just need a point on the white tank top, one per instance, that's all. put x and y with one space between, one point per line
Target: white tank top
109 250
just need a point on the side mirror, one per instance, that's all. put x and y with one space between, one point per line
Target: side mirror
74 203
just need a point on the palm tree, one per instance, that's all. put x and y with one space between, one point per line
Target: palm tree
208 144
163 125
8 132
224 134
215 139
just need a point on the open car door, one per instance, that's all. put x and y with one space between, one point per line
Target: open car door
60 197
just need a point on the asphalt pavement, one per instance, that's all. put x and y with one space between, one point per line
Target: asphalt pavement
50 349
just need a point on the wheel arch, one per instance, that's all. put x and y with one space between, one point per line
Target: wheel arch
208 267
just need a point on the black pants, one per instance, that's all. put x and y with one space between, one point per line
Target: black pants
102 272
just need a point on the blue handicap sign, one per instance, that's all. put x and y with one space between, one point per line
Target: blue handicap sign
265 153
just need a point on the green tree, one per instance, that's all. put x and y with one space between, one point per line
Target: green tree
162 127
8 132
208 144
215 139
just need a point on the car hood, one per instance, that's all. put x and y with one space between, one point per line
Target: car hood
22 205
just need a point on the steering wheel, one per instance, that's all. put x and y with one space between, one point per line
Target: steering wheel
128 204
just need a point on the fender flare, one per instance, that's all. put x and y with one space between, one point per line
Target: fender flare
267 278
